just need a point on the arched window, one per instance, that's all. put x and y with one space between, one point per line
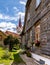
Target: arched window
37 3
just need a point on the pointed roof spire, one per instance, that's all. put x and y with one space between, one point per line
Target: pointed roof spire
20 24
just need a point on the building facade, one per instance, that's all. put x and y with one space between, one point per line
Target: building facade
2 37
37 24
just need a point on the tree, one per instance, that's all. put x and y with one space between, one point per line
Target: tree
5 41
11 42
16 41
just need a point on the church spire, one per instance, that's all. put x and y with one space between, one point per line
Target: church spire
20 24
19 27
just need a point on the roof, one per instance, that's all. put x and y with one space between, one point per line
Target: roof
3 33
12 33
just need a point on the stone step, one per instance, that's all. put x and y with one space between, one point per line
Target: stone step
39 58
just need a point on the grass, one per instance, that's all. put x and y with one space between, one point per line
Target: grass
14 57
17 58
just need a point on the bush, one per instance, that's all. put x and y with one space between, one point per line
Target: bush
23 52
32 43
16 47
28 53
6 55
11 41
25 46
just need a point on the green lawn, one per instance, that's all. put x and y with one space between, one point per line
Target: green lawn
14 57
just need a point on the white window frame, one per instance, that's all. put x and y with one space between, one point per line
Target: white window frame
37 3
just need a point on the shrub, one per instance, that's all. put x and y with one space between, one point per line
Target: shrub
11 41
16 47
28 53
32 43
23 52
6 55
25 46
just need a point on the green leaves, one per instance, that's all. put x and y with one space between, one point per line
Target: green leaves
11 41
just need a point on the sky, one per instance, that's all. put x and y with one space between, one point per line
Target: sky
10 10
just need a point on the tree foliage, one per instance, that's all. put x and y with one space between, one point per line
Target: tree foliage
11 41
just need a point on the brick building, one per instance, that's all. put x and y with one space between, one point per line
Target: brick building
37 24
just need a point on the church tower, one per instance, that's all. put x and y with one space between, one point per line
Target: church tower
20 24
19 27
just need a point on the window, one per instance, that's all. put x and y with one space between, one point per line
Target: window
28 16
37 32
37 3
31 35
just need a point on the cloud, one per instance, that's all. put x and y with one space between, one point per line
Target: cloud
15 9
8 26
22 15
10 12
15 18
7 17
22 2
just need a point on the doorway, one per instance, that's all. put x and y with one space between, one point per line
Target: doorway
37 32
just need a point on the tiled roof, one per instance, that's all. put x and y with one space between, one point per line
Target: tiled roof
12 33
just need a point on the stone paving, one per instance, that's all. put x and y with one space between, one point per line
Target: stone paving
17 64
29 61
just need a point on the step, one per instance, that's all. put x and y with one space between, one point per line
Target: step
38 57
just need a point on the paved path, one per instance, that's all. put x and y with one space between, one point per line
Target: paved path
38 57
29 61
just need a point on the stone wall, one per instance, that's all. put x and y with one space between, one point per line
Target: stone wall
42 14
45 31
1 43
